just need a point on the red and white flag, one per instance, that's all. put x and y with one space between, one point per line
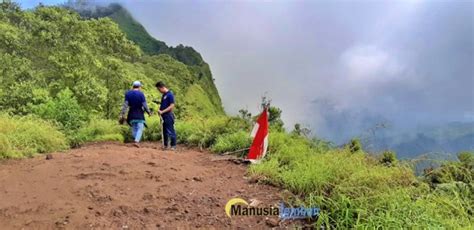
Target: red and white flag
259 146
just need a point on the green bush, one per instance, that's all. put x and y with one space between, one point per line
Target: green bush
355 145
388 158
451 172
65 110
26 136
232 142
467 158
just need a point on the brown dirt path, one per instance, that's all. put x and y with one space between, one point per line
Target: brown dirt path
116 186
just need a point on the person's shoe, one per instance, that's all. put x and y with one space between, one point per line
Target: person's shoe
135 144
173 148
164 148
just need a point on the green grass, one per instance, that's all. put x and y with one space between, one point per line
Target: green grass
98 130
27 136
203 133
232 142
357 190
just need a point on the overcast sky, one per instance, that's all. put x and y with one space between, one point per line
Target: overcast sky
336 66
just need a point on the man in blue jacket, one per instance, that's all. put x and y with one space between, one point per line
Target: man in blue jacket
166 113
135 102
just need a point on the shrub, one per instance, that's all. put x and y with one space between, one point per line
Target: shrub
389 158
451 172
232 142
466 158
65 110
26 136
355 145
184 130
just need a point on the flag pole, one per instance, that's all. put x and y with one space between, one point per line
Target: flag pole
236 151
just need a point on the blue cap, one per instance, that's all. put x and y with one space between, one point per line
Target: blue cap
137 84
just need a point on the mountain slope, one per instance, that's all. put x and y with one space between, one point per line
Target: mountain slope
135 32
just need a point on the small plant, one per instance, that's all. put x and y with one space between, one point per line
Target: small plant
466 158
389 158
355 145
299 130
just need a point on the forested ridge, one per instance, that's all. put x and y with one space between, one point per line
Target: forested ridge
64 76
149 45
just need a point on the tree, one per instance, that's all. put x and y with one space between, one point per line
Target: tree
274 118
245 114
301 131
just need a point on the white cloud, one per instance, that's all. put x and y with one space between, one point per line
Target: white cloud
369 63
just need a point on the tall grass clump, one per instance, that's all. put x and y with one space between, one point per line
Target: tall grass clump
232 142
27 136
98 130
153 131
203 133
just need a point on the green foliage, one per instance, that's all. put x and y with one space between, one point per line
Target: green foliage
452 172
204 133
355 145
204 108
26 136
50 49
389 158
192 60
65 69
98 130
355 191
232 142
153 132
65 110
274 119
301 131
466 158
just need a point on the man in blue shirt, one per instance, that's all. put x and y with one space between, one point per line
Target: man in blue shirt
166 113
136 102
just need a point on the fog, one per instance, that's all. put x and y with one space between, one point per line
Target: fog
339 67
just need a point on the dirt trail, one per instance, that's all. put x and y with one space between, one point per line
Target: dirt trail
115 186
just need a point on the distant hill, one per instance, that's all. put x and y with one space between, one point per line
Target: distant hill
448 138
444 140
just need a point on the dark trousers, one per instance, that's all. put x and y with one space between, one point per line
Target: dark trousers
168 131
